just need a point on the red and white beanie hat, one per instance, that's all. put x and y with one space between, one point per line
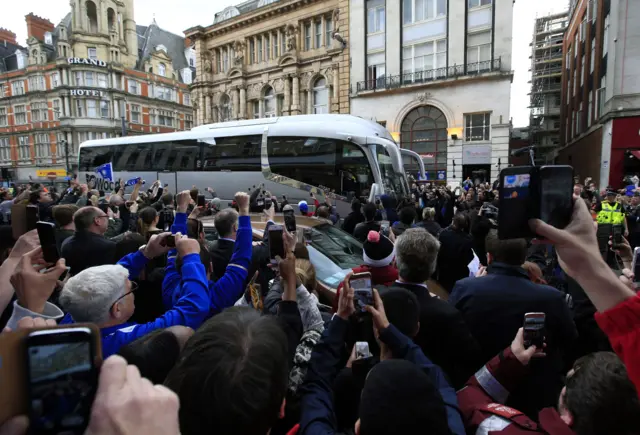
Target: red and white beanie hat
378 250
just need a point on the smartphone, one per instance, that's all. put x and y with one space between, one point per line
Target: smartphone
384 228
32 217
362 350
362 290
64 274
47 236
276 244
518 201
62 379
636 265
170 241
556 195
307 233
290 222
200 200
617 231
268 202
534 329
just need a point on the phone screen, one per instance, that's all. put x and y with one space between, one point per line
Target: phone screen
556 195
534 329
636 265
47 236
200 200
362 292
62 381
276 244
170 241
515 203
290 222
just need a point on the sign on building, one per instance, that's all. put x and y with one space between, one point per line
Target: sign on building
86 93
83 61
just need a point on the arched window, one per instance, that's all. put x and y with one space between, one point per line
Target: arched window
225 108
111 20
162 69
269 103
320 96
424 130
92 16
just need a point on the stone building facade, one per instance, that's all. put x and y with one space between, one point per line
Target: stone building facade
266 58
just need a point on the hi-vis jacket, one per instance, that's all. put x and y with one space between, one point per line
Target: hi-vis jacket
482 401
611 214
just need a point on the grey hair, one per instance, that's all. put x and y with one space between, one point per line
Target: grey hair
115 200
224 221
416 255
88 296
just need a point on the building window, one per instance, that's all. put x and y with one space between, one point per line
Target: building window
320 96
269 103
79 109
88 79
102 81
38 112
165 118
225 108
328 31
424 130
477 127
318 34
92 109
2 90
79 78
256 110
267 47
20 114
419 61
41 145
104 109
259 49
252 51
274 39
187 99
57 109
92 16
36 83
92 53
17 88
162 69
5 149
477 3
419 10
375 20
55 80
192 62
134 87
4 119
24 153
283 44
164 93
135 113
478 49
188 122
307 36
582 71
605 36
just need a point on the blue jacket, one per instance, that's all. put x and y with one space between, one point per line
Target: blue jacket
230 287
317 415
191 309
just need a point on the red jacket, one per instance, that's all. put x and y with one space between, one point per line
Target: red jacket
481 402
622 325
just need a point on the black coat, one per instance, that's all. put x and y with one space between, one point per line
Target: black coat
432 227
494 307
362 230
444 337
86 249
350 222
454 256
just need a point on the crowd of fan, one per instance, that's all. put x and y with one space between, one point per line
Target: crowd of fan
219 341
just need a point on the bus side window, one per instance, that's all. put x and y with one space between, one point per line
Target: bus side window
92 157
237 154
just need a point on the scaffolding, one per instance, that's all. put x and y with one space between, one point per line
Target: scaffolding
546 83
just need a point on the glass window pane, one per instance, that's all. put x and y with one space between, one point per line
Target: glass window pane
407 11
237 153
381 25
420 9
371 21
441 8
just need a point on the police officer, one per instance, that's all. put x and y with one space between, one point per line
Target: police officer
611 212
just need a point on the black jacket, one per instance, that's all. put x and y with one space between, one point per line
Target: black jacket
86 249
444 336
221 251
62 235
350 222
454 256
494 307
432 227
362 230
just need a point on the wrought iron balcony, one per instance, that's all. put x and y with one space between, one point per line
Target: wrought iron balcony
421 77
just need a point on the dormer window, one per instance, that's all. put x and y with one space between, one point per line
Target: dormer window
162 69
48 38
161 48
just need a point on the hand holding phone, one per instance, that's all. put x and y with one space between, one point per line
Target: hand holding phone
201 201
276 243
47 236
534 330
290 222
362 290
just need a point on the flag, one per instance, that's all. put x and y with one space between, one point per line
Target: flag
105 171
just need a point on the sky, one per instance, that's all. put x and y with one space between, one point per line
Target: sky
201 12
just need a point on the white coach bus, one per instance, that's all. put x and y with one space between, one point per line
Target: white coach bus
340 156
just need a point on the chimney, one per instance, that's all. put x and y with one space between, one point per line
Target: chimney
37 26
7 36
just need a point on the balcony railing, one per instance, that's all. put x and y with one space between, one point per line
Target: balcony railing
397 81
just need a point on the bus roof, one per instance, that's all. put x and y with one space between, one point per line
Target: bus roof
352 125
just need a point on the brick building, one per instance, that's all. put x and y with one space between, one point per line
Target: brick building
94 75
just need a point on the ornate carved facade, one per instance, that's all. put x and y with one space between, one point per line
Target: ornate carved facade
276 59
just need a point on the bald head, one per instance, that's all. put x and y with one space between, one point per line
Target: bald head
89 219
